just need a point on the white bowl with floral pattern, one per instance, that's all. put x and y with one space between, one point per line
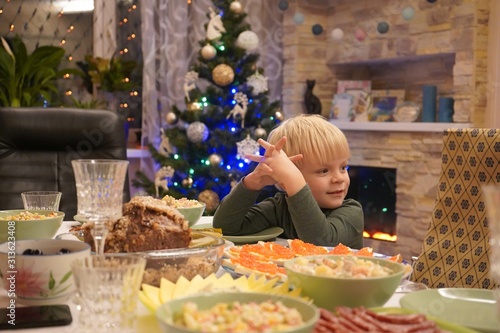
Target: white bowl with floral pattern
36 279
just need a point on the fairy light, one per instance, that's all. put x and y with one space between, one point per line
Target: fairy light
11 27
68 93
66 76
70 58
62 42
71 28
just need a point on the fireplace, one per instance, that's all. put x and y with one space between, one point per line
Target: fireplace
375 189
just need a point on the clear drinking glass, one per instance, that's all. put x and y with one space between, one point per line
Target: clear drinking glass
99 189
108 290
41 200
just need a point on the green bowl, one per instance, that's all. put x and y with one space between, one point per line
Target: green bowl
29 229
330 292
166 312
192 214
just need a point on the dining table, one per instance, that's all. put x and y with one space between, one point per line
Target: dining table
146 322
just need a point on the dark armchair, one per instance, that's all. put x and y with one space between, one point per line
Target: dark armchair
37 146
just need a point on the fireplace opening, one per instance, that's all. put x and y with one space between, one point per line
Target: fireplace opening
375 189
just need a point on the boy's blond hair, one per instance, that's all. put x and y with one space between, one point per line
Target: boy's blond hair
312 136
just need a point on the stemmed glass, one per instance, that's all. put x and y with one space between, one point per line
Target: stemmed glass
99 190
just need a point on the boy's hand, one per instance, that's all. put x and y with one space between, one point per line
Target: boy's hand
275 167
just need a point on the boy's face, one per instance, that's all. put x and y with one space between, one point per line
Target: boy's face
328 182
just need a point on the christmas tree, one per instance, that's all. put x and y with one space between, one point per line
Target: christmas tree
202 149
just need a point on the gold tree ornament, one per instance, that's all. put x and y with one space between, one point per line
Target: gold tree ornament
260 132
187 182
171 118
215 159
208 52
279 115
236 7
210 198
223 75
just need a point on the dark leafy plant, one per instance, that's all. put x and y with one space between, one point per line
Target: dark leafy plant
108 74
28 79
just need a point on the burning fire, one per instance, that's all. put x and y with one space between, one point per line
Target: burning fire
381 236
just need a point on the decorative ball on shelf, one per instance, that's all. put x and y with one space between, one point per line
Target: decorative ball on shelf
215 159
408 13
298 18
197 132
171 118
337 34
260 132
360 34
383 27
187 182
317 29
208 52
283 5
223 75
247 40
236 7
210 198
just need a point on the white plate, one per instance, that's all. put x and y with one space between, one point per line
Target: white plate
469 307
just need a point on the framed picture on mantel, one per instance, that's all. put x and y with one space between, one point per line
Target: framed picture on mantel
360 91
384 104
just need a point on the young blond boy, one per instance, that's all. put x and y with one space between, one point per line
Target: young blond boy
307 158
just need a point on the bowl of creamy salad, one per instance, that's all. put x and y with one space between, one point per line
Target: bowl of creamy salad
336 280
191 209
237 312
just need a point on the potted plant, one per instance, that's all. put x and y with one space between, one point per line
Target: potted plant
28 79
106 78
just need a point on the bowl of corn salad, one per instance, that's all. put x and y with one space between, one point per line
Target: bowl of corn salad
21 224
237 312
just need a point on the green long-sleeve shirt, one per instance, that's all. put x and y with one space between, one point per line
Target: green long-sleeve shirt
299 215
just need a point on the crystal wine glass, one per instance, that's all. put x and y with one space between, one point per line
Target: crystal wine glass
99 190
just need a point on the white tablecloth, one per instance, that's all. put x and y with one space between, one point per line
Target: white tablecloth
146 320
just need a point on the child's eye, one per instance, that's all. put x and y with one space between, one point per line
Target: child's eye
323 171
344 168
